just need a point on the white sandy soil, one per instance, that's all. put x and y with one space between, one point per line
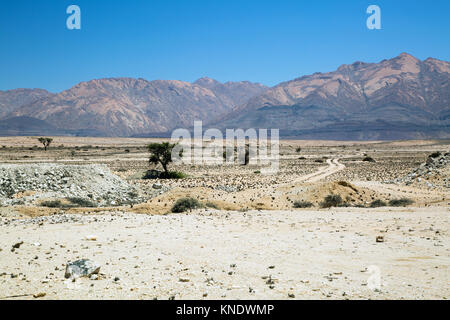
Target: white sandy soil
323 254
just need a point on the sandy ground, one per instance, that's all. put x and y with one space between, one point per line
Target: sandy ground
257 247
324 254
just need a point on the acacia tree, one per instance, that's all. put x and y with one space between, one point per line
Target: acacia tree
161 153
46 142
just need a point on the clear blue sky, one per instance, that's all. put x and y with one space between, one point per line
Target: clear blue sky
256 40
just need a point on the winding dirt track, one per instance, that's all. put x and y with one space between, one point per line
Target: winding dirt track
333 167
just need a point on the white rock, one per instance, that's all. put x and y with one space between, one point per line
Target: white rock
81 268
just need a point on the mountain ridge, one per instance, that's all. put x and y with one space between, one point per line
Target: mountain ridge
403 89
127 106
399 97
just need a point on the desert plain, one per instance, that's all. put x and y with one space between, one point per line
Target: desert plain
388 237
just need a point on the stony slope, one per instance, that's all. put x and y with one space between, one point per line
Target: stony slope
13 99
25 184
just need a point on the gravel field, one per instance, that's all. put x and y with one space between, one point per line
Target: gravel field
247 242
215 255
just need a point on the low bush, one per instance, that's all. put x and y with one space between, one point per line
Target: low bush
378 203
185 204
401 202
435 155
302 204
346 205
74 202
151 174
80 202
173 175
332 200
155 174
369 159
52 204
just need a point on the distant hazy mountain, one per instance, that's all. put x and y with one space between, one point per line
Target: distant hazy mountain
401 98
13 99
125 106
20 126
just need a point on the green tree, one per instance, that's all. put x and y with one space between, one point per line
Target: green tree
46 142
161 153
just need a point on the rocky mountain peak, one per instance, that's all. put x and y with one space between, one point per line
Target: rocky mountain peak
207 82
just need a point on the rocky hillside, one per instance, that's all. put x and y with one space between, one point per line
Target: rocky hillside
13 99
126 106
400 98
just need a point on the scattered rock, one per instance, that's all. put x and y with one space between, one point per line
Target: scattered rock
431 169
91 238
17 245
81 268
380 239
56 181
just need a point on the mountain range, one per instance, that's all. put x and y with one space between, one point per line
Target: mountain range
126 106
399 98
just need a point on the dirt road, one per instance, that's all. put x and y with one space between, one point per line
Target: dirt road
333 167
